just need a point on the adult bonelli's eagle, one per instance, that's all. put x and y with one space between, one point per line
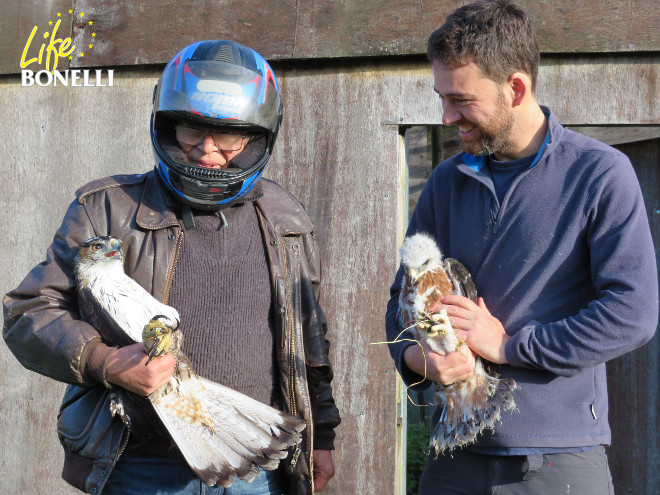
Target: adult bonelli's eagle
222 434
471 405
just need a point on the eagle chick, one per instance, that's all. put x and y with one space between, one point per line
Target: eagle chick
468 406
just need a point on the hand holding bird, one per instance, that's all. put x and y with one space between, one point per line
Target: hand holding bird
476 327
440 368
127 368
431 291
222 434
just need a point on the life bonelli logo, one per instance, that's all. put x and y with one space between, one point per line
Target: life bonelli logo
43 69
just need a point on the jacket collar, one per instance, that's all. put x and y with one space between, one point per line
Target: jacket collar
282 211
156 209
285 214
555 131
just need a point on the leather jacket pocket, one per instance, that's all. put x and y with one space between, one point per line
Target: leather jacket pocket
85 425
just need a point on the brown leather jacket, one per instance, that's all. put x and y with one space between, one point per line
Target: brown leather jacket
43 329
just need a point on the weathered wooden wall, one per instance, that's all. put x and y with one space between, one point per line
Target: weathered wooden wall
338 152
144 32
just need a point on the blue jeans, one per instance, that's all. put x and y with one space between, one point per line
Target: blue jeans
142 475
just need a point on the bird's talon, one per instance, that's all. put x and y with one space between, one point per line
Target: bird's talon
157 337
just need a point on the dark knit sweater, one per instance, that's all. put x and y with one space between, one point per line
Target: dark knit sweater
221 289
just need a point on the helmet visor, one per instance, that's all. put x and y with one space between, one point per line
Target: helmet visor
213 90
223 139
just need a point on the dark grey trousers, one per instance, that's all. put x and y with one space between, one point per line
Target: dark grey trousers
466 473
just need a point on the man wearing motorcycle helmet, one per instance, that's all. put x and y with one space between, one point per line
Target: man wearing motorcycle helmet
202 99
234 253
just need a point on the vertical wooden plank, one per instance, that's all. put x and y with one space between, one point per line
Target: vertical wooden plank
336 153
403 202
634 379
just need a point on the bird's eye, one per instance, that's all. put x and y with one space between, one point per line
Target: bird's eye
96 247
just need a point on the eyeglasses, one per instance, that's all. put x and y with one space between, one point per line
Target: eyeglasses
225 140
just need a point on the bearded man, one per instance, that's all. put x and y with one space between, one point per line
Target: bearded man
553 228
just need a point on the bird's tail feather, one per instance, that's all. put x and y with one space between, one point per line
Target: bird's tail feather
231 437
466 413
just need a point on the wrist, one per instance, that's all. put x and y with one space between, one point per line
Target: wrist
502 350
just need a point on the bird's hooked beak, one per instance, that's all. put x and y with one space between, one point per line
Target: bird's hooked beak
115 251
414 275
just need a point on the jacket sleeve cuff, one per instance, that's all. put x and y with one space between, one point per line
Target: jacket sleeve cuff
97 360
521 341
324 438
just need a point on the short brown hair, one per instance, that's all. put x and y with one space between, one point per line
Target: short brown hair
496 34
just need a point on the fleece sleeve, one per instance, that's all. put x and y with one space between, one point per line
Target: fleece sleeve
624 312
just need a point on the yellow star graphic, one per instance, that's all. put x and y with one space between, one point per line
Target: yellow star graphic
50 23
82 54
93 35
90 46
90 22
70 11
59 14
70 57
82 14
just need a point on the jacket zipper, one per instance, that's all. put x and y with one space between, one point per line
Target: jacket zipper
292 341
124 443
175 259
168 287
292 363
493 221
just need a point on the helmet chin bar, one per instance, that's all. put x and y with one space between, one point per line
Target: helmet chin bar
210 194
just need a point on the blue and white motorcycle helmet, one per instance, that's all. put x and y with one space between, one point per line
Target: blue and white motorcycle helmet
215 84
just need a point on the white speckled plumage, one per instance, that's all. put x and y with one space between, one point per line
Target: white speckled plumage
223 434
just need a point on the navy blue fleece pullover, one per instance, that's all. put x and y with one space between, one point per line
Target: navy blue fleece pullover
565 262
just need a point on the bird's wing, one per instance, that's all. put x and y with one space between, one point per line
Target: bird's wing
435 284
407 303
94 311
435 329
245 434
127 305
461 279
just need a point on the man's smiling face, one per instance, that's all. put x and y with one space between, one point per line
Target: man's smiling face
477 105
